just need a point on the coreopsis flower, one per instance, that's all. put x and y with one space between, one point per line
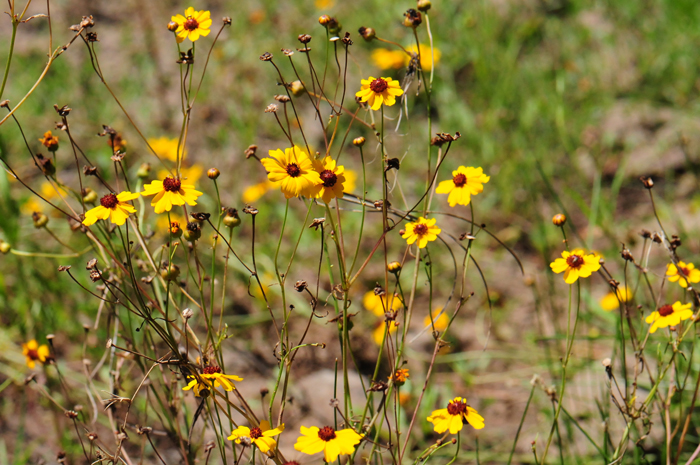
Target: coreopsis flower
379 305
191 174
35 353
49 141
438 322
376 91
611 301
253 193
426 57
400 376
292 170
669 315
423 231
389 59
350 180
193 25
327 440
165 147
114 207
575 264
465 182
454 416
684 273
260 436
211 377
170 191
332 180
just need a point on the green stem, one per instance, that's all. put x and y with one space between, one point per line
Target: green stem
9 57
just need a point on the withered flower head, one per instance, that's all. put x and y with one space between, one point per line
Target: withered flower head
62 111
49 141
267 56
89 170
271 108
250 210
193 231
287 52
87 22
200 217
250 151
92 263
226 20
367 33
175 229
186 57
301 286
45 164
5 104
95 275
91 37
282 98
304 38
412 18
316 223
647 181
231 219
346 39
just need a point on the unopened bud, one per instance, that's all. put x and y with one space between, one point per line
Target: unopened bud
394 267
172 26
4 247
559 219
40 220
213 173
170 272
358 141
424 5
89 196
324 20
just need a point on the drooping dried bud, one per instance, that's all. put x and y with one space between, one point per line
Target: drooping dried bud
170 272
250 151
297 88
626 254
301 286
226 20
213 173
40 220
412 18
394 267
647 181
424 5
559 219
367 33
358 141
231 219
172 26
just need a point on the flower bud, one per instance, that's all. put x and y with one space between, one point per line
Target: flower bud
394 267
231 220
648 182
89 196
559 219
324 20
297 88
144 171
359 141
424 5
172 26
367 33
170 272
412 18
40 220
213 173
4 247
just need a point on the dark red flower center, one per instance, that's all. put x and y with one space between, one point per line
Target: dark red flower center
171 184
109 201
255 433
460 180
329 178
191 24
574 261
293 462
457 408
211 370
420 229
293 170
326 433
379 85
666 310
33 354
684 271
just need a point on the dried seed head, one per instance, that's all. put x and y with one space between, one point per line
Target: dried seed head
358 141
606 362
304 38
62 111
287 52
267 56
40 220
301 286
187 313
172 26
282 98
87 22
175 229
91 37
231 219
250 210
271 108
367 33
89 170
424 5
250 151
559 219
412 18
91 264
5 104
95 275
92 437
193 232
647 181
626 254
200 217
226 20
45 164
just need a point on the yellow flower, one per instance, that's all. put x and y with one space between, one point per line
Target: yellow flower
575 264
260 436
165 147
190 174
47 191
350 180
169 192
292 169
114 207
389 59
380 329
211 377
332 180
683 273
327 440
669 315
256 191
35 352
49 141
423 231
378 91
192 25
426 63
323 4
453 417
465 182
378 305
611 301
400 376
440 323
